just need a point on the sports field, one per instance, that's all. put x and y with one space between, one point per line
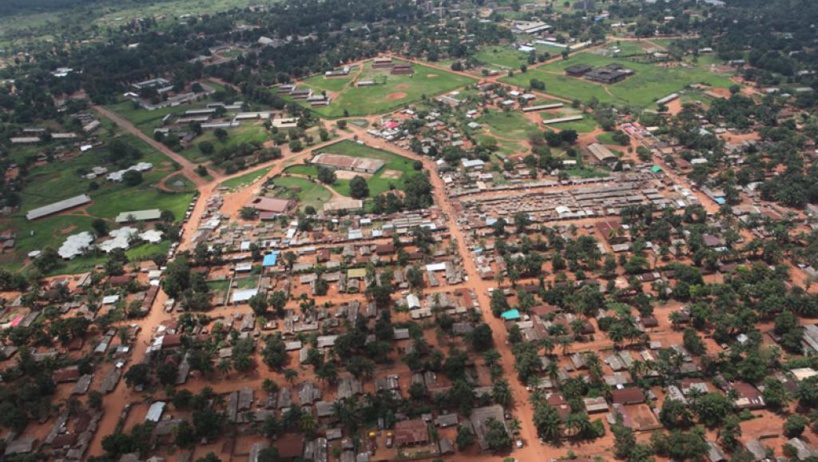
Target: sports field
390 92
649 83
394 172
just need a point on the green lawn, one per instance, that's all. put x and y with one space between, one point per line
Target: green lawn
303 190
607 138
649 83
334 84
397 90
509 126
502 56
246 133
128 200
245 180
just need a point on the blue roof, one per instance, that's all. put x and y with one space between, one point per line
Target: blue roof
270 259
720 200
511 315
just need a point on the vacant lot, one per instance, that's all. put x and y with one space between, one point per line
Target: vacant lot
391 92
649 83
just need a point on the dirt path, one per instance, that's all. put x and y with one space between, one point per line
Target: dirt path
188 167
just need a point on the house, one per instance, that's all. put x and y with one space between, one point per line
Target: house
271 205
602 154
715 453
479 417
748 396
627 396
595 405
411 432
446 420
290 446
609 74
578 70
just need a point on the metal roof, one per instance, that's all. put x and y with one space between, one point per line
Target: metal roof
57 207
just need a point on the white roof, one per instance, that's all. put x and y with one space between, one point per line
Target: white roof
153 236
110 299
412 301
469 163
242 295
75 245
155 411
121 239
432 267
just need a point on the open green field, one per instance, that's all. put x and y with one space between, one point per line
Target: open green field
245 180
379 182
306 192
248 132
587 124
513 126
397 90
648 84
502 56
334 84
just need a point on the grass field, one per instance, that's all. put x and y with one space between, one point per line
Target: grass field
510 126
649 83
303 190
335 84
506 57
377 183
245 180
587 124
246 133
396 92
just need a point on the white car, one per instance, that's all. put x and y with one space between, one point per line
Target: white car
519 444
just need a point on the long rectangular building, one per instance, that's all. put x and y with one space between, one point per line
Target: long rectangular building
58 207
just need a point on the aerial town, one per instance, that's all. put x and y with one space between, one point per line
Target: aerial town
409 230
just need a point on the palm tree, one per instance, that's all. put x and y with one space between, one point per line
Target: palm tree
514 426
224 366
564 342
290 375
269 385
594 365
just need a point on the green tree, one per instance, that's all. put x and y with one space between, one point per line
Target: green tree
358 188
497 438
547 420
465 437
794 425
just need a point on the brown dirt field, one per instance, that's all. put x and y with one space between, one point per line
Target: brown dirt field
395 96
347 175
674 107
402 86
721 91
392 174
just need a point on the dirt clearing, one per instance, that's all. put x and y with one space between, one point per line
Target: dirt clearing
392 174
395 96
348 175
